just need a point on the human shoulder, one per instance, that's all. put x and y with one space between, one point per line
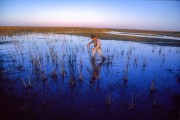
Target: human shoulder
98 39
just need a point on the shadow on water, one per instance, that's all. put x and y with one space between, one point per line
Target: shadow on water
51 76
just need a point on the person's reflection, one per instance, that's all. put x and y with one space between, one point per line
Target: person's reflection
95 71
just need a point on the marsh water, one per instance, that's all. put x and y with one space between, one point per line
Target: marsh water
144 35
52 76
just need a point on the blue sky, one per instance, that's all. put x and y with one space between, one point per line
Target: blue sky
127 14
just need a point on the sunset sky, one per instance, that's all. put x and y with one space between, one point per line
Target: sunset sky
127 14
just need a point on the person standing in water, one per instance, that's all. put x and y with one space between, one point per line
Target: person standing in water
97 47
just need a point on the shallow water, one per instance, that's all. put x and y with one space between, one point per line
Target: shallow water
51 76
144 35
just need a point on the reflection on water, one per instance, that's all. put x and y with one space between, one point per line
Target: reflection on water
51 76
95 70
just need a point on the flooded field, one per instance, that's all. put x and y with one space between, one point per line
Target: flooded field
51 76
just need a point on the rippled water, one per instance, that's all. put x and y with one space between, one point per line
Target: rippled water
51 76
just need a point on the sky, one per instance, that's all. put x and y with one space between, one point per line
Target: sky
123 14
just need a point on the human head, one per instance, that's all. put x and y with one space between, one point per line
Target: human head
93 37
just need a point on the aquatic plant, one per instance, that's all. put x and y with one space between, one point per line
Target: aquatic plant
135 60
28 85
63 71
153 88
80 70
131 103
108 100
72 81
54 74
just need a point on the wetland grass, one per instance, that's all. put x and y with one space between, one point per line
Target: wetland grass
108 100
152 87
60 57
99 32
131 102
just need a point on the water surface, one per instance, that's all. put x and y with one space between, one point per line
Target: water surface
144 35
51 76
